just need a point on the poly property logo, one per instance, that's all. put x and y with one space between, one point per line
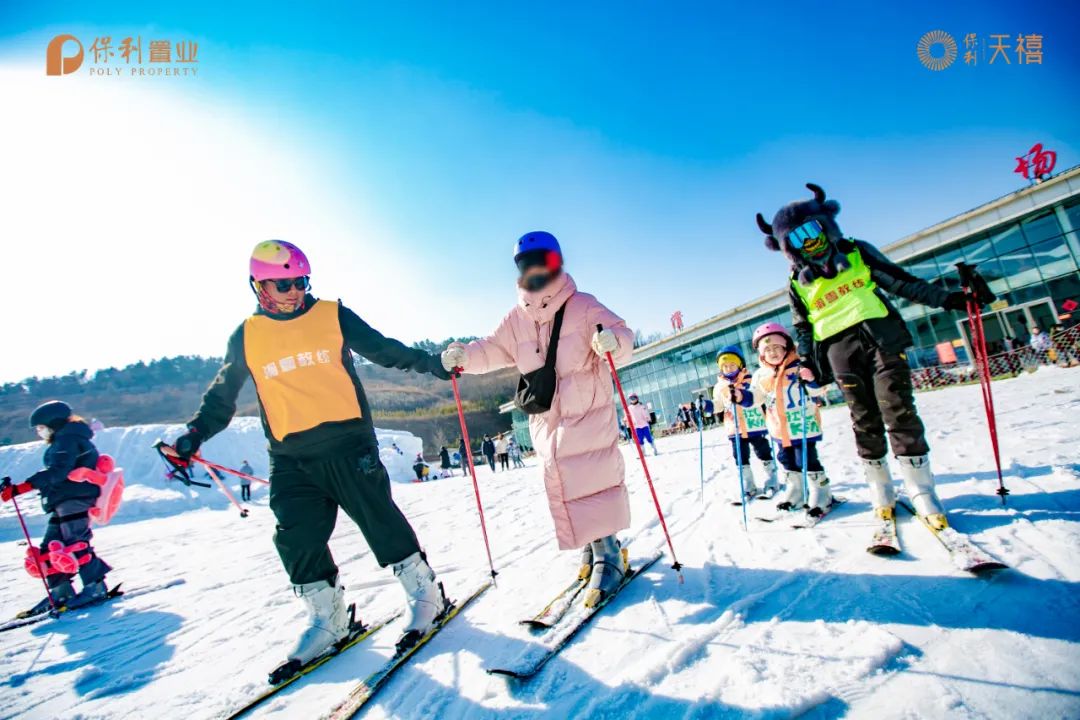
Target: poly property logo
65 55
938 49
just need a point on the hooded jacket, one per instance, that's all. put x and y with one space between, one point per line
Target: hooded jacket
70 448
577 439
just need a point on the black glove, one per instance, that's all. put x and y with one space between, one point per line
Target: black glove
955 301
188 444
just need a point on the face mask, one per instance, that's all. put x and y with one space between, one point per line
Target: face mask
45 433
536 282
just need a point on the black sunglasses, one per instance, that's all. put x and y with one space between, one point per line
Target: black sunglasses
284 286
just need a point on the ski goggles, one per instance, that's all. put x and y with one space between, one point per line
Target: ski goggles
283 286
809 238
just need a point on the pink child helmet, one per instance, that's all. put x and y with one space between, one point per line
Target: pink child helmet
278 260
771 328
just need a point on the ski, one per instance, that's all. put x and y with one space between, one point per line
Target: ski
767 494
363 692
532 661
885 540
965 553
23 620
358 632
808 521
554 611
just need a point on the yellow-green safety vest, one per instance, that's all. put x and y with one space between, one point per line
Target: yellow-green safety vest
835 304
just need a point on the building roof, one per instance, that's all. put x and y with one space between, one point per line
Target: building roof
984 217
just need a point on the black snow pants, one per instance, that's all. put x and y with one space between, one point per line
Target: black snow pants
760 443
305 496
877 387
70 524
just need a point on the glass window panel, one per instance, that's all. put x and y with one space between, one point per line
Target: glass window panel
1053 257
924 267
1073 213
1066 288
947 260
1035 291
1008 240
1018 266
1041 228
945 327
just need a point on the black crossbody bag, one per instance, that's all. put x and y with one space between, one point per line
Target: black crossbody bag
536 389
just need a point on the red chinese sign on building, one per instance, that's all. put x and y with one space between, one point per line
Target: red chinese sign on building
1037 164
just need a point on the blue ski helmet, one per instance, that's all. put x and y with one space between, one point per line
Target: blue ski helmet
729 351
538 248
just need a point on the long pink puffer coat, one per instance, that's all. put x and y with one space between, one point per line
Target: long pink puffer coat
577 440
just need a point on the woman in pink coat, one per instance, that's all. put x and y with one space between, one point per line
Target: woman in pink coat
577 439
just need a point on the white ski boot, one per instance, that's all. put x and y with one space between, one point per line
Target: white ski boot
882 490
328 621
749 483
820 493
792 497
610 565
771 485
424 599
919 485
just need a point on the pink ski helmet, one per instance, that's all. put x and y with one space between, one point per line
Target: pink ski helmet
771 328
278 260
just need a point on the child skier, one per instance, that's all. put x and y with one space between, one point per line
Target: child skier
323 451
844 321
68 503
639 418
734 381
786 387
577 438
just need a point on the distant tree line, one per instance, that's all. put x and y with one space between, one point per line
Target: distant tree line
168 391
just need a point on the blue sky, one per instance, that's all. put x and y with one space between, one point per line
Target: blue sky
418 140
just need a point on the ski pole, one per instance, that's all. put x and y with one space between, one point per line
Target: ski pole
701 451
472 470
229 470
738 458
972 283
676 566
805 480
29 544
214 476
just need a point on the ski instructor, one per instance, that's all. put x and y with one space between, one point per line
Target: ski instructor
577 438
323 451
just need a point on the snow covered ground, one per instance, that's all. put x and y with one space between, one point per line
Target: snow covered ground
771 623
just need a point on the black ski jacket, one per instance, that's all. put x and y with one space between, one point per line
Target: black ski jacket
889 333
70 448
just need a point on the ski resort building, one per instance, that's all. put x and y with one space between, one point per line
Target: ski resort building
1026 244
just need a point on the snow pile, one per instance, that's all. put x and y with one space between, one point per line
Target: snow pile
149 494
770 623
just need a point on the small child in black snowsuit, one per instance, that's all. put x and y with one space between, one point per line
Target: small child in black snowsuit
68 502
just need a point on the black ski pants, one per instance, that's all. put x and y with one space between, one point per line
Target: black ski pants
760 443
880 396
305 496
70 524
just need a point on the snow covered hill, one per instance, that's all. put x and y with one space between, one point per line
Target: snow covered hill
148 494
769 623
